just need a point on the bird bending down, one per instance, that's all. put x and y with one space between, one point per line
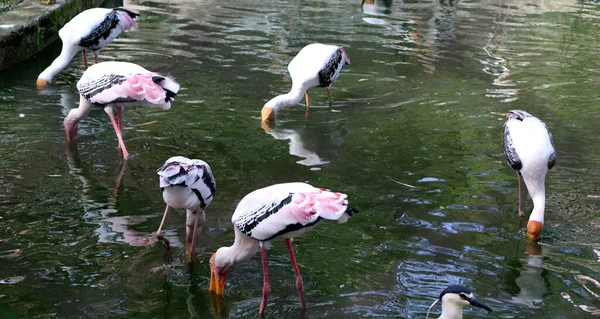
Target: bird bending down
316 65
453 299
190 184
278 211
111 84
91 29
529 150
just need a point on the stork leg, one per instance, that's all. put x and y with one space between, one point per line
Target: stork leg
329 95
96 57
167 257
299 285
307 102
119 116
520 209
266 281
193 219
109 112
84 59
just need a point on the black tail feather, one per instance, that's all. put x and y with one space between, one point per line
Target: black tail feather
350 211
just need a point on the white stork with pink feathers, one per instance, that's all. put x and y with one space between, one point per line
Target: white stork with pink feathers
278 211
113 84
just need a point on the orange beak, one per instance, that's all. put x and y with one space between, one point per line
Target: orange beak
41 83
267 114
70 130
533 230
218 276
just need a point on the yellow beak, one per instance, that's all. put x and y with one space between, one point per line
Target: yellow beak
41 83
533 230
267 114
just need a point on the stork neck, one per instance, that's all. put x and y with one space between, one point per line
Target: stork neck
61 62
539 205
75 115
243 249
293 97
450 311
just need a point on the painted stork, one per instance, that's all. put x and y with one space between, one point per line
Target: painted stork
189 184
316 65
453 299
278 211
112 84
91 29
529 150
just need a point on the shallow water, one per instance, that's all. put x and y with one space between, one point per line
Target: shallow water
411 138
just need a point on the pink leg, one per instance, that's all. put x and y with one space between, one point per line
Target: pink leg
108 111
84 59
119 117
95 57
266 281
307 102
299 285
329 95
520 209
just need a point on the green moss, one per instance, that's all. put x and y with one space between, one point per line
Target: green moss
6 5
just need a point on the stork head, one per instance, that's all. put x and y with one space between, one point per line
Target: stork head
218 274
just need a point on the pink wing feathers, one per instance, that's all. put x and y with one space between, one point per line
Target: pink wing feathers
271 213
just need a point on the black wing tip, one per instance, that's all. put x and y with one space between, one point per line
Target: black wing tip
351 211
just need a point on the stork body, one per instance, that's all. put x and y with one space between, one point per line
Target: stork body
529 150
186 184
113 84
454 299
278 211
316 65
92 29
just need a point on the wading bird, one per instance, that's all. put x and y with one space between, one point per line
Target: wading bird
453 299
529 150
91 29
278 211
190 184
316 65
112 84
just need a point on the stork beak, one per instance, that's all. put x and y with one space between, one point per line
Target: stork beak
534 229
218 276
477 303
267 114
40 83
70 130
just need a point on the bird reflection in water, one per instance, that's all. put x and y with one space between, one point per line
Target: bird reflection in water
310 144
531 283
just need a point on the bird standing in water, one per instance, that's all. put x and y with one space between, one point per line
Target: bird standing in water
112 84
91 29
529 150
277 211
316 65
190 184
454 299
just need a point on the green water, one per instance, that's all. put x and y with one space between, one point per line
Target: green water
411 138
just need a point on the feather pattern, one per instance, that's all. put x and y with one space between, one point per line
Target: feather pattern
113 82
284 209
113 23
192 174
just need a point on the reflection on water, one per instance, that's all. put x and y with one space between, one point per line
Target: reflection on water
410 138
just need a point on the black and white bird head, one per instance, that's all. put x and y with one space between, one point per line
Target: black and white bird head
518 115
454 298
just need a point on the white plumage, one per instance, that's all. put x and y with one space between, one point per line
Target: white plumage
529 150
91 29
189 184
282 210
316 65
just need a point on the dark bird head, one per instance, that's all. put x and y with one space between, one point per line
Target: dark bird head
460 296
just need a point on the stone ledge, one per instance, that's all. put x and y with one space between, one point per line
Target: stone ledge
31 26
